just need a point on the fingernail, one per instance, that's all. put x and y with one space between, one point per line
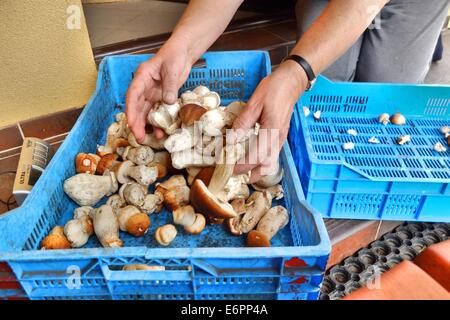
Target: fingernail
169 97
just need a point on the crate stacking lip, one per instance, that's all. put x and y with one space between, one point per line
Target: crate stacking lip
373 181
212 265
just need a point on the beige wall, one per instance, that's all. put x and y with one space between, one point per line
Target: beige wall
44 66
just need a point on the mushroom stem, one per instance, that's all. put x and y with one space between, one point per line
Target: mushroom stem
257 205
106 226
274 220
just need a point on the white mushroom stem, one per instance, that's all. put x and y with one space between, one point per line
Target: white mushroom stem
257 205
165 116
106 226
181 140
212 122
177 197
80 228
149 140
190 158
115 131
87 189
235 188
272 179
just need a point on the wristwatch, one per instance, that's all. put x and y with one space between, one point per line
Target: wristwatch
306 66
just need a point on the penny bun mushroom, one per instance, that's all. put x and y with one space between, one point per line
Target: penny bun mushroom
86 162
198 225
127 171
177 197
271 180
106 162
133 221
165 234
274 220
207 203
398 119
256 206
191 113
141 155
184 216
133 193
148 140
152 203
106 226
200 91
384 118
55 240
189 97
205 175
211 100
116 202
140 267
80 228
87 189
163 163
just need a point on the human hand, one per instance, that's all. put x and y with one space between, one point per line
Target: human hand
156 79
271 105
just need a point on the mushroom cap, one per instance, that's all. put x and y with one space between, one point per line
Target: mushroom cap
120 143
102 150
165 234
198 225
200 90
177 197
138 224
256 238
398 119
86 162
106 162
191 113
121 171
55 240
207 203
205 175
184 216
232 226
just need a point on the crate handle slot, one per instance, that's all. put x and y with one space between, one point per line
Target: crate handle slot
223 272
141 275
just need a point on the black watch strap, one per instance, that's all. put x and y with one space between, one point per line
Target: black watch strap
304 64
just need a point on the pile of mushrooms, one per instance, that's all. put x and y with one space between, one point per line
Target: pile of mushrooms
123 169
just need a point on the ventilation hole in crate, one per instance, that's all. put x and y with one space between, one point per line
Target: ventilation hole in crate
431 131
354 108
417 141
418 174
402 204
412 163
412 131
357 203
434 164
317 128
325 108
435 111
321 138
438 102
425 152
405 151
440 174
394 130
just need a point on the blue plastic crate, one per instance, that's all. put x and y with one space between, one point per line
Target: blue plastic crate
213 265
373 181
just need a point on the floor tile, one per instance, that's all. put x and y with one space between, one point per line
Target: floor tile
51 125
10 137
246 40
285 30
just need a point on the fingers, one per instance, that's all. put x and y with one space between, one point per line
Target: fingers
159 133
137 106
245 121
170 78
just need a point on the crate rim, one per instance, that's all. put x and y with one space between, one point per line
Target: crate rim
298 116
323 247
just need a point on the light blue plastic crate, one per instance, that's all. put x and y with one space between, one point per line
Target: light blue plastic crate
373 181
213 265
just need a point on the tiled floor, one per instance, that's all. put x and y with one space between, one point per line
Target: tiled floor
115 22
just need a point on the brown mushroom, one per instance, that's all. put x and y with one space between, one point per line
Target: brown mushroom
274 220
106 162
86 162
207 203
55 240
176 197
198 225
190 113
184 216
133 221
257 205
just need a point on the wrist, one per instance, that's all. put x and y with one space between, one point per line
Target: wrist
295 72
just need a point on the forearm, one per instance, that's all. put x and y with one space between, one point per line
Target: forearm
201 24
336 30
